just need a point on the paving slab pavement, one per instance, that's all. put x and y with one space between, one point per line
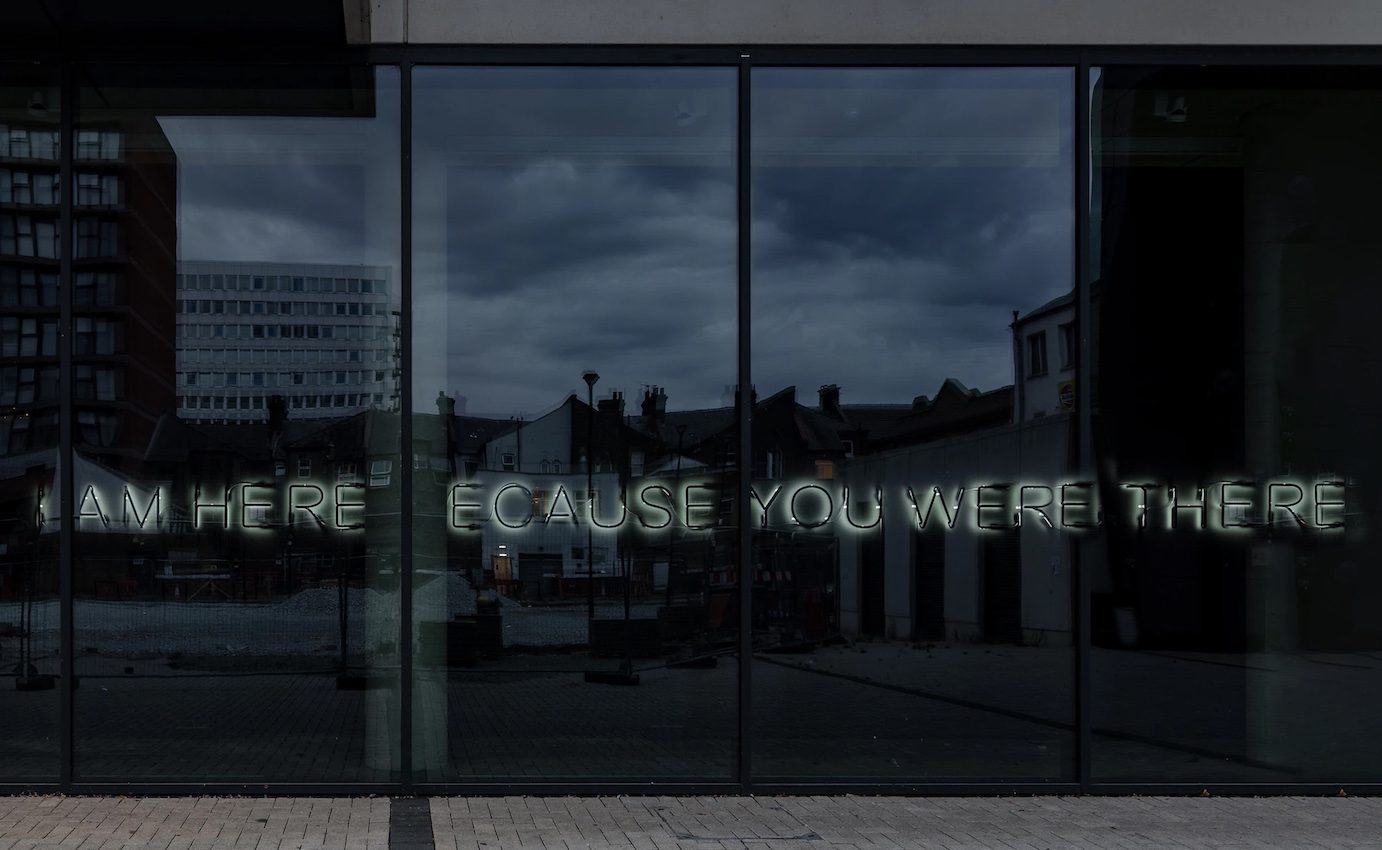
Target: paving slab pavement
193 823
692 823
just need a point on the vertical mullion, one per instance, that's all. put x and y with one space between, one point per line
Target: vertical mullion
67 105
743 175
1083 415
405 736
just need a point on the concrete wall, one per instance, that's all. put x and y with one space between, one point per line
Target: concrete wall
1032 454
860 22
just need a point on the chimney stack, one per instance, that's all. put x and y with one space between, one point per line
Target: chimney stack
613 406
446 406
654 403
830 401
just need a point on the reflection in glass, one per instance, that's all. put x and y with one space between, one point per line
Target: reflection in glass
912 279
29 389
1235 340
235 351
574 359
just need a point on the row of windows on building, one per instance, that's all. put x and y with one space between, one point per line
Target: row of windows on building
26 337
39 385
23 236
28 143
508 462
34 288
554 467
43 143
255 331
1037 363
27 188
218 306
280 379
26 236
346 471
297 402
281 356
24 432
28 287
282 283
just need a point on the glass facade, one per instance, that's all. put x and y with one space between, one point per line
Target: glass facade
736 425
574 316
908 226
1247 649
31 384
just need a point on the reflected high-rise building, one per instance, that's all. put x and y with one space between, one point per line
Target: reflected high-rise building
324 337
29 212
125 248
29 382
125 238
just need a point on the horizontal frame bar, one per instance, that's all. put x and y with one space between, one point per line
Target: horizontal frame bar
939 789
721 55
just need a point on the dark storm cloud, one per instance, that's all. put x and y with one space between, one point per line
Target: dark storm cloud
554 268
288 210
899 216
572 219
286 189
990 225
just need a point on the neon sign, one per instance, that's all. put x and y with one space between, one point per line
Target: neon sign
244 505
808 505
511 506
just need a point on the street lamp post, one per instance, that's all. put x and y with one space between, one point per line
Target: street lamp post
590 378
672 535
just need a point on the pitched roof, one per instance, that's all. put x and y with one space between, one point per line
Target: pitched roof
700 426
956 409
1057 303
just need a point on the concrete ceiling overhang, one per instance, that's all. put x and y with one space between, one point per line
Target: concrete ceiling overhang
183 23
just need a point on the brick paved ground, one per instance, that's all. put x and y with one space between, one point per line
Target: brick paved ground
890 823
698 823
193 823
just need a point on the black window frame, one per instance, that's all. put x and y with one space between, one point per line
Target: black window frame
72 59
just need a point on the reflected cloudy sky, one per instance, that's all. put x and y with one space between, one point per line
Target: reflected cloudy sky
900 216
569 220
289 189
573 219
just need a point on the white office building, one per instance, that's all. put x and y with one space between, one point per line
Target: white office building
324 337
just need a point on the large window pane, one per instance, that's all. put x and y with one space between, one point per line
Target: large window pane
912 284
236 424
1237 257
29 387
572 221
